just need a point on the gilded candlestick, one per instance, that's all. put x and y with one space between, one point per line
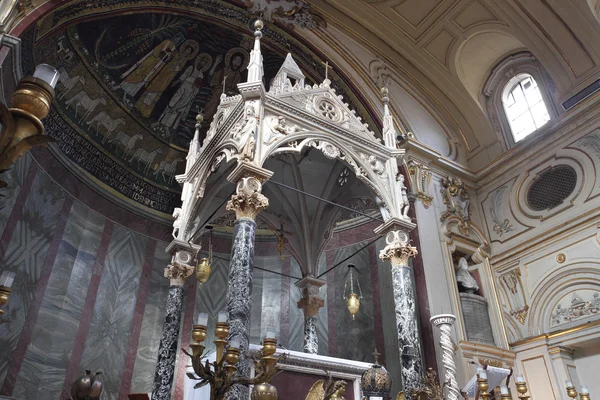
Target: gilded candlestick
584 394
571 392
483 386
522 389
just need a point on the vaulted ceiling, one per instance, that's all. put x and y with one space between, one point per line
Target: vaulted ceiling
435 55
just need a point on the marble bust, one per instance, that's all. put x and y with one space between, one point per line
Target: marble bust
466 283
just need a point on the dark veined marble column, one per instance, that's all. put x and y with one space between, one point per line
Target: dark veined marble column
167 351
311 341
247 203
310 303
398 252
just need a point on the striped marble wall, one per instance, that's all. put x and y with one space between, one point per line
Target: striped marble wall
90 294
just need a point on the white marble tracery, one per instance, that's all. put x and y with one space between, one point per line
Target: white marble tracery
255 125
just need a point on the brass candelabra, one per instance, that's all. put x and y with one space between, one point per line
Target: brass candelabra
22 127
220 373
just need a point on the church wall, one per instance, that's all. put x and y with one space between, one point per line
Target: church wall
546 263
587 362
88 293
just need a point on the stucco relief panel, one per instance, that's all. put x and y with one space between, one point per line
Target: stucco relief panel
499 215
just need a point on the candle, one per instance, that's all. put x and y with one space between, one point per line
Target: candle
222 317
234 343
202 319
569 383
504 389
520 379
7 278
47 73
270 335
584 390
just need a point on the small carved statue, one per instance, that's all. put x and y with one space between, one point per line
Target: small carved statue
403 195
466 282
177 222
247 135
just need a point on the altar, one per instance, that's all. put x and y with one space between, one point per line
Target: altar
298 373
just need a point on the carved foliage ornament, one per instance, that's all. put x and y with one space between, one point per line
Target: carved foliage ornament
177 274
456 198
248 201
420 180
398 250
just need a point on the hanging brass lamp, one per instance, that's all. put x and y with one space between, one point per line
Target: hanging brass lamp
203 269
352 299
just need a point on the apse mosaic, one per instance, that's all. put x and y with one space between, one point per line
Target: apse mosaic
132 83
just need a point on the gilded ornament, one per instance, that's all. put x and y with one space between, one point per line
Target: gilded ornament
456 198
490 362
327 390
520 314
203 270
561 258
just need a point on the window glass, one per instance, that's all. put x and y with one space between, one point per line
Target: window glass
524 106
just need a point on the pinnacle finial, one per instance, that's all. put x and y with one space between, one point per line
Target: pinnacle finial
384 95
258 25
255 67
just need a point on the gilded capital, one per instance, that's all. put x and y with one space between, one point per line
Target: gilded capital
398 254
398 249
311 301
177 274
248 201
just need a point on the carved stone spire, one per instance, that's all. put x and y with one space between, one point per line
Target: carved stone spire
389 131
255 68
195 144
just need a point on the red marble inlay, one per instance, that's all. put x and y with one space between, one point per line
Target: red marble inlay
378 319
88 310
188 322
17 211
136 325
34 308
427 337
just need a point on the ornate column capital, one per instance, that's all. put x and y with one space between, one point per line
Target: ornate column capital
398 249
311 300
177 274
248 200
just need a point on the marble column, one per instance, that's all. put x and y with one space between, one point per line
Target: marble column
247 203
444 322
310 303
167 350
398 251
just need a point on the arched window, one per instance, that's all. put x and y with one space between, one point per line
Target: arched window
524 106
